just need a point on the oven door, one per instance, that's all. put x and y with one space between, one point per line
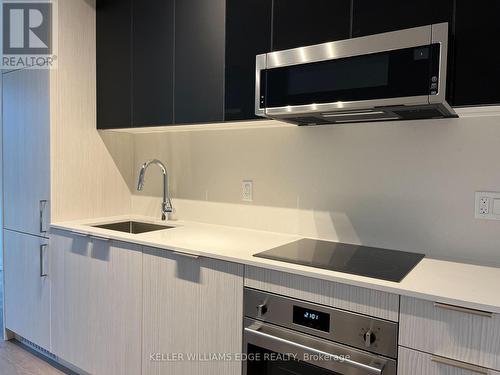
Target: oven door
273 350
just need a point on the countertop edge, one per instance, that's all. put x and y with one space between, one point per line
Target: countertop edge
353 280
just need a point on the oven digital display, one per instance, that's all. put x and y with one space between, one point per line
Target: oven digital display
311 318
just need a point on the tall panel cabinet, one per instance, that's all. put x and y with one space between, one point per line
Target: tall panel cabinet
26 151
26 190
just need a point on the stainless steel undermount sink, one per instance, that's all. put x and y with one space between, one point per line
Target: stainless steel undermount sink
134 227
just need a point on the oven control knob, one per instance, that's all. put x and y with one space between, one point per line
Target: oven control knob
261 309
369 337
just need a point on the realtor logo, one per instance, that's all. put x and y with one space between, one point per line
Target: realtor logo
29 37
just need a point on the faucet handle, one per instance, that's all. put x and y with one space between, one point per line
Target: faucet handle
166 207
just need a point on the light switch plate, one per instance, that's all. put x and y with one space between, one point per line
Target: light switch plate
487 205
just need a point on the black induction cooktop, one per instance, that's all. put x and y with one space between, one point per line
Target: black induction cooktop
390 265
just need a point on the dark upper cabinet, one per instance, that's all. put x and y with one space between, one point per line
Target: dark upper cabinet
477 31
162 62
374 17
114 66
153 62
135 51
199 61
248 33
298 23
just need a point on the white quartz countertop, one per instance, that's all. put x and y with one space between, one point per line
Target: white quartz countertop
470 286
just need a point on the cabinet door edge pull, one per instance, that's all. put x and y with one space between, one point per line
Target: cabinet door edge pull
43 205
99 238
79 234
465 310
42 273
186 255
460 365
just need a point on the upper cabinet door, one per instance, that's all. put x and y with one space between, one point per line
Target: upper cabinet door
477 29
199 61
298 23
374 17
153 62
26 151
114 64
248 33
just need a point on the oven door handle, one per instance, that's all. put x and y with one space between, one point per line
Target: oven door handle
375 367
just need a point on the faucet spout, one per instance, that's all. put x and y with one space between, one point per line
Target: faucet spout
166 206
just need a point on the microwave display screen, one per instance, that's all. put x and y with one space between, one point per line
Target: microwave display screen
311 318
344 74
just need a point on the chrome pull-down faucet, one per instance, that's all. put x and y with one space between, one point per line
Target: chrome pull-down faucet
166 206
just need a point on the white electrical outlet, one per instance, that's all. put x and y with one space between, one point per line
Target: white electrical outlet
247 190
486 206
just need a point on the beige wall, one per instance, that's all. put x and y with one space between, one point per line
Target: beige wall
402 185
88 174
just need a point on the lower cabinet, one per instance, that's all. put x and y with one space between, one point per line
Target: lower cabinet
27 287
453 332
96 303
115 308
192 307
412 362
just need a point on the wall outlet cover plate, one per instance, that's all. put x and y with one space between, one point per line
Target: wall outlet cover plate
247 191
487 205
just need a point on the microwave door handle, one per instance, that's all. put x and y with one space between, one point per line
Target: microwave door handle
374 369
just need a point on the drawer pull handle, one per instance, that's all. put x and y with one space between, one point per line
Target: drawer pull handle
485 314
186 255
460 365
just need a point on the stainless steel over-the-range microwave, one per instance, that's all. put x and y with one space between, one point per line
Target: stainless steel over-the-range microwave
391 76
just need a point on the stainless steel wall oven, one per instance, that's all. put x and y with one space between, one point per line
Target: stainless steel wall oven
284 336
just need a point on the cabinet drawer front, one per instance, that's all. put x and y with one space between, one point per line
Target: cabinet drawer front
412 362
361 300
451 332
